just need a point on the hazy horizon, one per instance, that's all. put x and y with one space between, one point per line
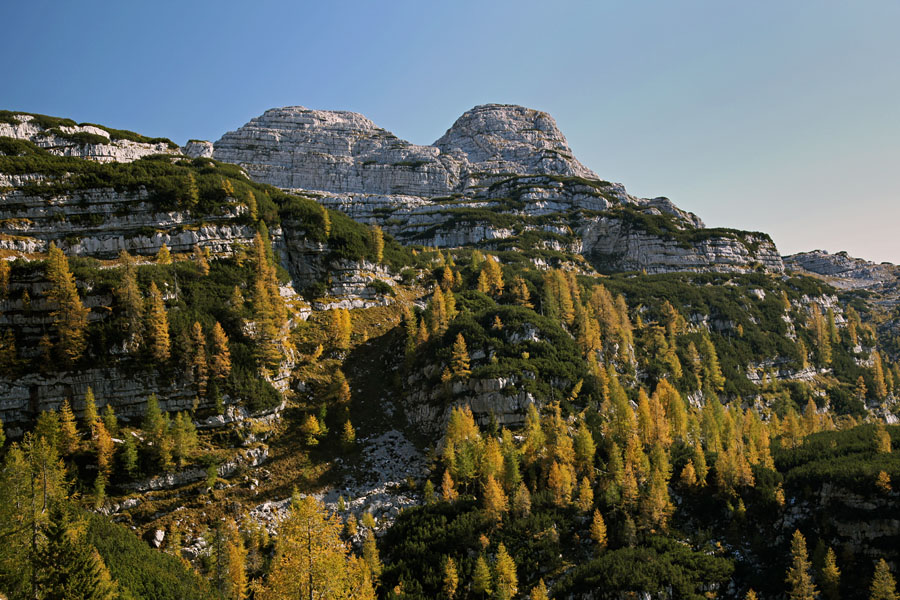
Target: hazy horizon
769 117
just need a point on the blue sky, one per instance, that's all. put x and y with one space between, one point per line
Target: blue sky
776 116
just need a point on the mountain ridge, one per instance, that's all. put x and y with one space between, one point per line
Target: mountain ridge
500 174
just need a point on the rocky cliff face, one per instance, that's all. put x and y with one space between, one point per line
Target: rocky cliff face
344 152
500 171
615 244
101 222
844 271
65 138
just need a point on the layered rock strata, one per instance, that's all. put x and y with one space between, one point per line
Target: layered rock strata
82 141
497 173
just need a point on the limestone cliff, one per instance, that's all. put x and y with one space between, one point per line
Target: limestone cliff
500 171
63 137
844 271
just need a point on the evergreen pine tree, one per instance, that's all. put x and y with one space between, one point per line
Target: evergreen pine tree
130 456
110 420
69 567
154 423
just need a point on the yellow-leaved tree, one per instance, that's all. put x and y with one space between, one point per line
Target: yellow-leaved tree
157 326
311 560
377 243
70 317
220 360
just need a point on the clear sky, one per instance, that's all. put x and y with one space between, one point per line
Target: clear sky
781 116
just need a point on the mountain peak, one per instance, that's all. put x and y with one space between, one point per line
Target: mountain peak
344 152
509 136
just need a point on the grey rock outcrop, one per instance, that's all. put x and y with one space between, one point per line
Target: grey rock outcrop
198 149
613 244
497 173
24 397
82 141
344 152
103 221
845 271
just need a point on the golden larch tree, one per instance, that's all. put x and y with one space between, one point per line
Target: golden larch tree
539 592
884 586
312 561
495 501
481 578
130 303
157 326
68 431
459 359
831 577
70 317
377 243
236 585
450 580
163 256
505 578
799 576
220 358
199 365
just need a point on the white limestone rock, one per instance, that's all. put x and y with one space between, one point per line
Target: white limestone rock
66 142
198 149
846 272
494 160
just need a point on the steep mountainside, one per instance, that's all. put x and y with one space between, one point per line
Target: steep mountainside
501 177
844 271
577 391
65 137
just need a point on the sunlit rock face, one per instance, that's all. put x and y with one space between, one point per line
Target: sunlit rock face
499 171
